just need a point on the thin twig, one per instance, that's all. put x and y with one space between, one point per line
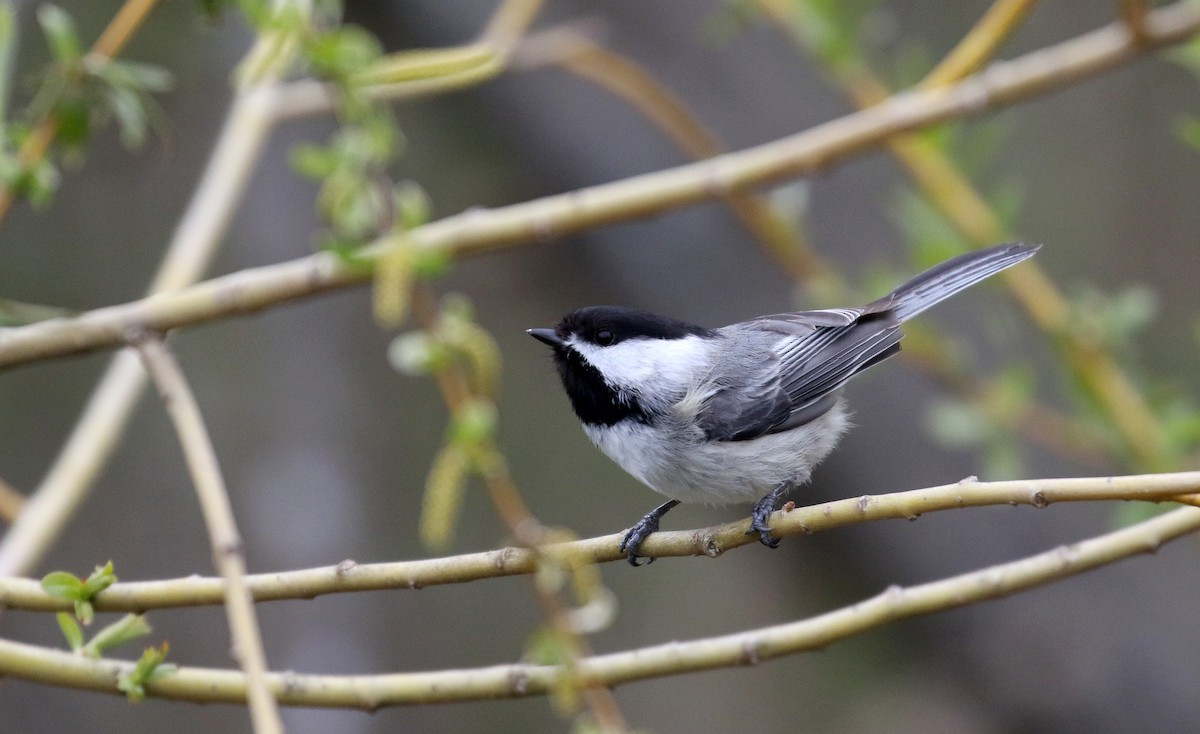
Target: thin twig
485 230
1134 14
370 692
348 576
11 502
205 471
976 48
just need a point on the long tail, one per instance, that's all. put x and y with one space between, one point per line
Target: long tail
944 280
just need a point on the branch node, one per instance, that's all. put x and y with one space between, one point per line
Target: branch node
346 568
519 682
864 503
750 654
1038 500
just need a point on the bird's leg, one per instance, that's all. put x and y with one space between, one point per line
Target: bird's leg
632 541
760 517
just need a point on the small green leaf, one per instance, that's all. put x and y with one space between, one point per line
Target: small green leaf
99 580
133 75
313 161
63 585
60 33
343 52
126 107
474 423
74 123
412 204
148 667
84 611
127 628
71 631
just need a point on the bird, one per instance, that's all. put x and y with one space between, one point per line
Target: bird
740 413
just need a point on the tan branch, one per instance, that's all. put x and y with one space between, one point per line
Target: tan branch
673 658
1134 13
348 576
205 471
976 48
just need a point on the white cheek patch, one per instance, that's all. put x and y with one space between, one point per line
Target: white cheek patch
669 365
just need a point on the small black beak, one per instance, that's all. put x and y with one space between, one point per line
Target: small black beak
547 337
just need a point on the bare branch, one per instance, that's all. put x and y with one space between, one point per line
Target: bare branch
348 576
370 692
223 534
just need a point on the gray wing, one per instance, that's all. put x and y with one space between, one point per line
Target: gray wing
814 354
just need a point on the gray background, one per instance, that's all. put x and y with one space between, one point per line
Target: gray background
325 447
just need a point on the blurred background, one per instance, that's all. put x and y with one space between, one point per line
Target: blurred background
325 447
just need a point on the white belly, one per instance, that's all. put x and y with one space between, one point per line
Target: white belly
682 466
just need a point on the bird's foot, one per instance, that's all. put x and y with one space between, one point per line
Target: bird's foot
760 517
632 542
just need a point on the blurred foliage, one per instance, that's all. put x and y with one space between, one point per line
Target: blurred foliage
465 357
74 96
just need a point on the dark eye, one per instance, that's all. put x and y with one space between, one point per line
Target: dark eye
605 338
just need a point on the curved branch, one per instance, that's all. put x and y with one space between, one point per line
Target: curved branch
348 576
482 230
370 692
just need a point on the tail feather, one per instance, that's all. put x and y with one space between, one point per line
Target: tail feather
944 280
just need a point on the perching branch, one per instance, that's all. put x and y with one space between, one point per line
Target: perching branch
348 576
481 230
370 692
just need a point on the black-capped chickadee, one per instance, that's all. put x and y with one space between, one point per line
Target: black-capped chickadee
739 413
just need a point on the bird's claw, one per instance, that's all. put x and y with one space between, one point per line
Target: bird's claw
632 542
760 521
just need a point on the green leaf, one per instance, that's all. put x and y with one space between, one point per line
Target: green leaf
148 667
134 75
60 34
99 580
63 585
474 423
71 631
84 611
127 628
314 161
412 204
74 122
126 107
343 52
